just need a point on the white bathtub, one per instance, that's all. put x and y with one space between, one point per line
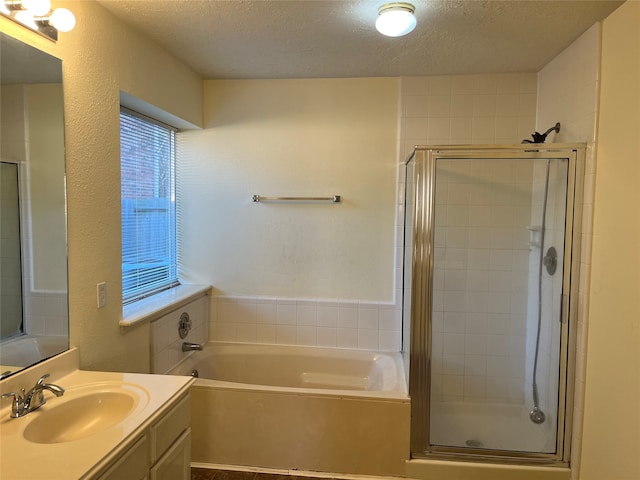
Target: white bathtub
293 367
305 408
26 350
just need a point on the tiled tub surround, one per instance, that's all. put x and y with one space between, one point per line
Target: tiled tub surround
166 344
46 313
311 322
282 425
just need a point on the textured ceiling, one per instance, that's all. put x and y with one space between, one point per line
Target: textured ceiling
336 38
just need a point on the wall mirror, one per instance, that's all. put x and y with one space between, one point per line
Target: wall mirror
33 236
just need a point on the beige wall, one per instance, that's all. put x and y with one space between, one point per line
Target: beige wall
46 214
102 57
315 137
611 431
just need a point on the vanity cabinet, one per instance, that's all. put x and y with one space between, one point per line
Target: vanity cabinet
171 444
162 452
134 464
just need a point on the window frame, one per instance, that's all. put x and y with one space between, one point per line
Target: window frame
158 283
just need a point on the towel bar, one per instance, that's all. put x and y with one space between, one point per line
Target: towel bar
259 198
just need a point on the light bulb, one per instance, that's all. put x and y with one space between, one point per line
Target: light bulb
25 18
37 8
396 19
62 19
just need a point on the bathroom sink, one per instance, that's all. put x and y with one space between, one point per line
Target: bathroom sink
83 413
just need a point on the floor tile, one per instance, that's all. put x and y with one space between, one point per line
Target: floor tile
202 474
213 474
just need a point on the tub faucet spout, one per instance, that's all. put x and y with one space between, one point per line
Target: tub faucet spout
190 347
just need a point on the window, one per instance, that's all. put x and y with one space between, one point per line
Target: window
147 169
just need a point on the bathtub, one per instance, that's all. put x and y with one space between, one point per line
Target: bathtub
304 408
23 351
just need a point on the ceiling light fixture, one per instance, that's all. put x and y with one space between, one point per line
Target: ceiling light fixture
61 19
396 19
37 15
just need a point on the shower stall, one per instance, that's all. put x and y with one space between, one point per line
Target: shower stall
491 258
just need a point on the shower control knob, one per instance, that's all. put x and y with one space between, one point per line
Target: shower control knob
184 325
550 260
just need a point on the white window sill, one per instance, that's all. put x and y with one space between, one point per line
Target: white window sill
155 306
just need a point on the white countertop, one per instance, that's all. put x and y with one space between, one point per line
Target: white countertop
80 459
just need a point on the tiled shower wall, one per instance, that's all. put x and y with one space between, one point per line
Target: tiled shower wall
474 346
465 109
553 235
481 276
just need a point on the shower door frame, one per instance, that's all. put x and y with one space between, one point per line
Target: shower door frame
19 177
422 296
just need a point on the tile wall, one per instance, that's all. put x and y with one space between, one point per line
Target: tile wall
481 279
473 344
569 90
46 313
551 288
315 322
166 344
464 109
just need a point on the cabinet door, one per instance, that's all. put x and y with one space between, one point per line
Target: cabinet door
133 465
170 427
175 463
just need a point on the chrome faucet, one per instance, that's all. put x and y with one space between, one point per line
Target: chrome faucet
33 399
190 347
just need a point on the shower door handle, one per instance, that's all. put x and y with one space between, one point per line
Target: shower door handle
564 308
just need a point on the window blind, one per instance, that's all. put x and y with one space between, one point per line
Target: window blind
147 177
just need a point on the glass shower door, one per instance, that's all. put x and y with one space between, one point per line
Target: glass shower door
11 273
497 229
